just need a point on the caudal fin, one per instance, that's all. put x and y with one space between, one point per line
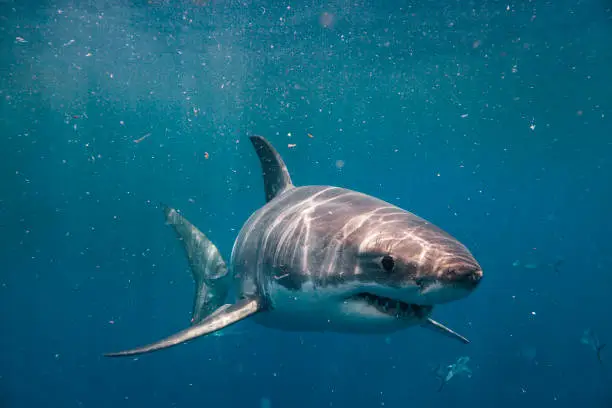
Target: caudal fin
206 263
216 321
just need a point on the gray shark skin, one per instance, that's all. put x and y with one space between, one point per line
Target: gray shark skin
323 259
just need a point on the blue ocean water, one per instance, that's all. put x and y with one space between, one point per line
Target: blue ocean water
491 119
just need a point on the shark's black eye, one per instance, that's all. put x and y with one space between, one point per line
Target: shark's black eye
387 263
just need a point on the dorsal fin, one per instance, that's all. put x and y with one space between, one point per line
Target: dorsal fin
275 174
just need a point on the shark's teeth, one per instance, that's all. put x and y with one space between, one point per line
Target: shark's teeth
392 307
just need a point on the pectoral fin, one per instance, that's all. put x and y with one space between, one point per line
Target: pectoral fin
216 321
440 328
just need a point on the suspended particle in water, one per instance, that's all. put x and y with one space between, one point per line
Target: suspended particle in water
339 164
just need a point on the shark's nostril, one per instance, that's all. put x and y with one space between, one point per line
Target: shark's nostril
465 276
476 276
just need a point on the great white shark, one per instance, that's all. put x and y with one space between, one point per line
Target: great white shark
323 259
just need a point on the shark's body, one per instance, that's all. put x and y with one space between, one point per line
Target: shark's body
321 258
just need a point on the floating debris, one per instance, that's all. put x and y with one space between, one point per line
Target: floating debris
326 20
206 155
291 145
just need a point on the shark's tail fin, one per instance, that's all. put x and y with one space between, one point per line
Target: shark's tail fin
209 270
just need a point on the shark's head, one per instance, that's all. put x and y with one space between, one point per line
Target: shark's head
406 270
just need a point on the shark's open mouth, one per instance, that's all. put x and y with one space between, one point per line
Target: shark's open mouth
393 307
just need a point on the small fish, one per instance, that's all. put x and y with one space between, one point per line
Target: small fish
140 139
557 265
590 339
459 367
599 350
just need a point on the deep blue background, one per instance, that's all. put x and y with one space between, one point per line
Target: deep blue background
490 119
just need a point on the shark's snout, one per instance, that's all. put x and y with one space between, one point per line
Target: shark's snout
455 281
465 276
